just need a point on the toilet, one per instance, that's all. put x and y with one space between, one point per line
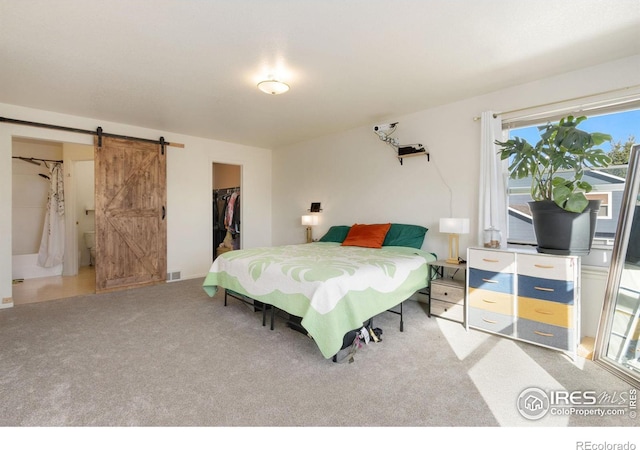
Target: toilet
90 242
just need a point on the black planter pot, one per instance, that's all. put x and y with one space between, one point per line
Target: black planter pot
561 232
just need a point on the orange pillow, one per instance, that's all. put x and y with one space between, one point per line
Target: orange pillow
371 236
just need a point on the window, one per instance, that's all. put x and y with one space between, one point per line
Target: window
605 203
608 184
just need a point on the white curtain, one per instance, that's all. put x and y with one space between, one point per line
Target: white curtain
52 244
493 180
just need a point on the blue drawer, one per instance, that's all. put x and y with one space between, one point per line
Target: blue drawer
545 334
492 281
560 291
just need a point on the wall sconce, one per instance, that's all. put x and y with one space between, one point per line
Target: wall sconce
309 220
455 227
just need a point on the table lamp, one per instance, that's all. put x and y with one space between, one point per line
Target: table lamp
455 227
309 220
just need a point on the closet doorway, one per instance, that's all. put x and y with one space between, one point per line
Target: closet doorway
226 201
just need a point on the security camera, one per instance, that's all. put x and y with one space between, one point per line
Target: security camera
385 128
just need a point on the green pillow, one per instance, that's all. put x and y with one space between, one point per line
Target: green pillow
402 235
336 233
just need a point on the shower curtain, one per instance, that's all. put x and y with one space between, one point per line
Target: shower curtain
51 251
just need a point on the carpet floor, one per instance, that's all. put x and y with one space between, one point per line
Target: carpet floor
170 356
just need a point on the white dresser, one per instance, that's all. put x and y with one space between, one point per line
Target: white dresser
527 296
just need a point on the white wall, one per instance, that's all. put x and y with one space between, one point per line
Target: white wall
84 172
189 221
78 183
358 179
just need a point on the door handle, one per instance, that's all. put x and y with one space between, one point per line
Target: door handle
164 212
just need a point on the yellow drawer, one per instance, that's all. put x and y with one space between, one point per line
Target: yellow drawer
491 301
552 313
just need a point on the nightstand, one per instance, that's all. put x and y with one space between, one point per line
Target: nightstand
447 295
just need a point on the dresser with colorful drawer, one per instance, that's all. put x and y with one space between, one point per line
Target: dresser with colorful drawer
526 296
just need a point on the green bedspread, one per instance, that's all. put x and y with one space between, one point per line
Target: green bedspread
333 288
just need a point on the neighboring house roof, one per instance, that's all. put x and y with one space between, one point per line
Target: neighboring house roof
520 222
593 177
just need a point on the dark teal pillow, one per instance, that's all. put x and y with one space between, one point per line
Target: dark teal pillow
336 233
402 235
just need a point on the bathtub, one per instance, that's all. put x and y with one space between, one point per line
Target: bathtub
26 266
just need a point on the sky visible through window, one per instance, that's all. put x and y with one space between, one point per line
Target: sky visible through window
619 125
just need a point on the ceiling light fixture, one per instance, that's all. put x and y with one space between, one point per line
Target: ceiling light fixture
273 87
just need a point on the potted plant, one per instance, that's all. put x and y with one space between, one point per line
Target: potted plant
564 220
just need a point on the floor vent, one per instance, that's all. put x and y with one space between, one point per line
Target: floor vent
173 276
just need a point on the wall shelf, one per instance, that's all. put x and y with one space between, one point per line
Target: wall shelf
407 152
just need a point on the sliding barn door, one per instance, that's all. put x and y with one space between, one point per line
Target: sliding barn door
131 233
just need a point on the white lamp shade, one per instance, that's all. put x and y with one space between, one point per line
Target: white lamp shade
454 225
309 220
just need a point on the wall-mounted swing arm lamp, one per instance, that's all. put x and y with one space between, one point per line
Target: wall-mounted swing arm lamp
384 130
455 227
309 220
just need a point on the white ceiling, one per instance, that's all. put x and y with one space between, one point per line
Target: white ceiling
191 66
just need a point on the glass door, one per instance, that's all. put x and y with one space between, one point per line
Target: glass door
618 339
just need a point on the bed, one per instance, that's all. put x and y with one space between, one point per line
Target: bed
333 285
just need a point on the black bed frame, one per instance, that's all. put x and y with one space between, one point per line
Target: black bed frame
260 306
291 321
257 306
